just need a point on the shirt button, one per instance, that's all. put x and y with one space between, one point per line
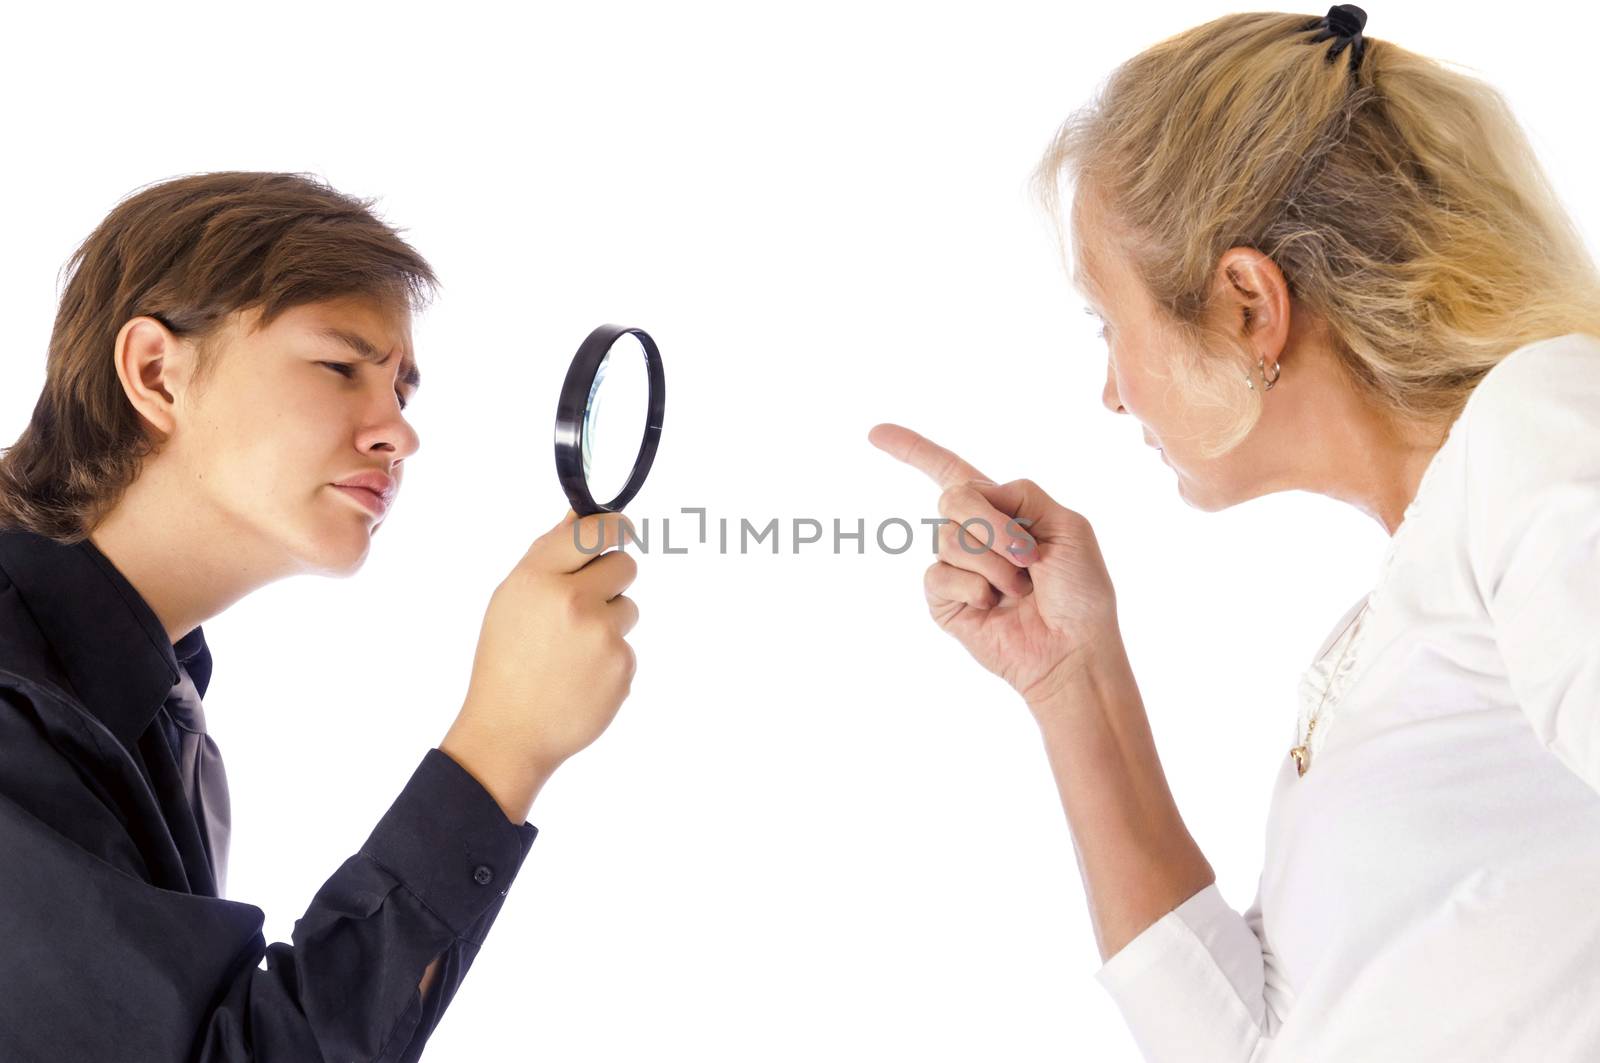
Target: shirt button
483 874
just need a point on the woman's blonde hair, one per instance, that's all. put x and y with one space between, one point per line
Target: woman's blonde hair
1400 199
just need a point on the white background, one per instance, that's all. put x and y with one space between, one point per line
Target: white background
818 829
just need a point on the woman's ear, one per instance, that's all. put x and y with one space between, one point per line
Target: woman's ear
1254 297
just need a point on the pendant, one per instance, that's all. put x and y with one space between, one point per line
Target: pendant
1302 758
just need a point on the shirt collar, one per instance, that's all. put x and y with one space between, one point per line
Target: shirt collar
113 648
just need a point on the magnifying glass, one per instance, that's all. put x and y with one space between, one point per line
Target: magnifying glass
608 423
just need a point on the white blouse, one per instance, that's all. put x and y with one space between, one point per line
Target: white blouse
1432 883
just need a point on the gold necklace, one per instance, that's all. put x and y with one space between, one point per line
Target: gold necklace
1301 754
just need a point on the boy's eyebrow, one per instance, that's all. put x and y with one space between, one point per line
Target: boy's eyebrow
410 375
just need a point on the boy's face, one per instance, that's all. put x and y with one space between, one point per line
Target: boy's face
287 411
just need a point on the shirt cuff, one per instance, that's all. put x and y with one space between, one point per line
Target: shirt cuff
447 840
1190 985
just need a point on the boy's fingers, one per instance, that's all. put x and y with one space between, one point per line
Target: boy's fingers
578 540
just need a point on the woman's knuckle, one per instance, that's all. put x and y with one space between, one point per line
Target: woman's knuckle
975 535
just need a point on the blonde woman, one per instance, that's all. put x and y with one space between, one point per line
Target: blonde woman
1325 263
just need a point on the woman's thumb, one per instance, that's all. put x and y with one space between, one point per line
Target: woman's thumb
1035 516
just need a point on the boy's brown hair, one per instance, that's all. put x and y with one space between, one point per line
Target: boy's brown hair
189 252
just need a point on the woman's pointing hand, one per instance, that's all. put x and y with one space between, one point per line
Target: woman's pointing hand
1020 580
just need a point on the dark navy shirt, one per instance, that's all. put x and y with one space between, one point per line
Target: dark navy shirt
113 942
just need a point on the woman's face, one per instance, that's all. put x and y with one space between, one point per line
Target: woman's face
1140 351
286 412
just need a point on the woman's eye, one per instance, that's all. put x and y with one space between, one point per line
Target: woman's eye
1103 327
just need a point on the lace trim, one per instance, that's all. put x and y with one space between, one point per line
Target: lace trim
1326 681
1331 676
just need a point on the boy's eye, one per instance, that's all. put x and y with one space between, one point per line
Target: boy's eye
348 371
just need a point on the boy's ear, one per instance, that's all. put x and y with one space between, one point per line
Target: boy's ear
151 361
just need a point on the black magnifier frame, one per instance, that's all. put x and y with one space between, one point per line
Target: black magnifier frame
574 404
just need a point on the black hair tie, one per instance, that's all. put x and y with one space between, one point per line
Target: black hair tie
1343 25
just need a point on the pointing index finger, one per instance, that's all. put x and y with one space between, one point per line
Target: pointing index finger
944 467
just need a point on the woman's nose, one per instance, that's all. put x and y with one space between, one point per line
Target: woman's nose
1109 396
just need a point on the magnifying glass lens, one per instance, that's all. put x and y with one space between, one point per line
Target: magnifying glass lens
615 417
